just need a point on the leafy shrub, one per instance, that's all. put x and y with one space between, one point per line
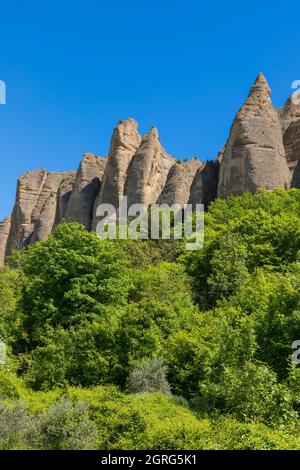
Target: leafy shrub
66 425
10 386
150 376
16 426
250 393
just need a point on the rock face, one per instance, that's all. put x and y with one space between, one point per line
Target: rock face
290 113
205 184
254 155
290 122
262 151
4 232
87 185
178 184
124 143
29 188
34 213
148 171
44 212
291 141
64 194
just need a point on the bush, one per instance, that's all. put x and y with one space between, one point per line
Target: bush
250 393
16 426
66 425
150 376
10 386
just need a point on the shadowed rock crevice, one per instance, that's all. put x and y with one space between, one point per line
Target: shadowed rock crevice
205 184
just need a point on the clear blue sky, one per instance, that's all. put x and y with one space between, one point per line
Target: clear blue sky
73 69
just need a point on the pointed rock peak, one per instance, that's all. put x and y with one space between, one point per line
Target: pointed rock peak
292 104
130 122
154 132
261 86
125 135
88 156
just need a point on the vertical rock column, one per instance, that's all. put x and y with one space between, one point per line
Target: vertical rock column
179 180
205 183
290 122
86 188
148 171
29 188
124 143
4 232
254 155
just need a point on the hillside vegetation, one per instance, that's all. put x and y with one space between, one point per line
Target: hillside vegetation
142 344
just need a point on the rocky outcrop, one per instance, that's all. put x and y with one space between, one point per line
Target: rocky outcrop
124 143
205 184
44 212
87 185
262 151
179 180
29 188
35 211
148 171
63 195
289 113
291 141
254 155
4 232
290 123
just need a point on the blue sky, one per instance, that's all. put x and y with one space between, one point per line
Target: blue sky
74 69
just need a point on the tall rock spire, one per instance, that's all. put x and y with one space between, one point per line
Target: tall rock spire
4 232
86 187
254 155
179 181
290 122
148 171
124 143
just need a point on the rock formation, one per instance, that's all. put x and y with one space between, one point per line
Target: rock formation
34 213
262 151
254 155
124 143
148 171
290 122
205 184
179 181
4 232
86 188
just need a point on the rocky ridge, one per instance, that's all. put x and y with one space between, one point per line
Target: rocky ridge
262 151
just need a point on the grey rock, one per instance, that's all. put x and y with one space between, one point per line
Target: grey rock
205 184
124 143
179 180
291 141
29 188
254 155
148 171
4 232
87 185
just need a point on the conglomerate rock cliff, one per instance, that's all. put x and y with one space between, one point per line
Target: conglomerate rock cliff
262 151
254 155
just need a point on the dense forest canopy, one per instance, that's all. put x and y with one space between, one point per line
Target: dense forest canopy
147 345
